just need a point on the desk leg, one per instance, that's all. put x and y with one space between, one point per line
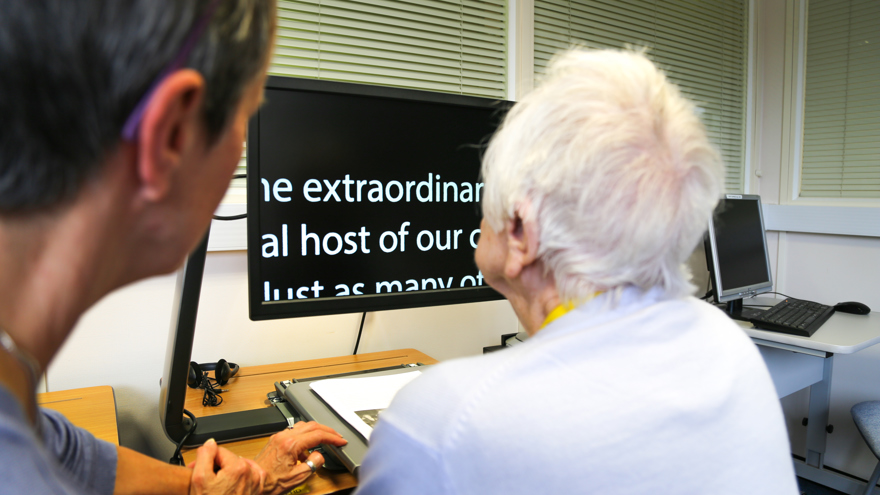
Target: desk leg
820 404
813 467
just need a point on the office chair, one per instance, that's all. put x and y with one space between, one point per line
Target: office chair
866 415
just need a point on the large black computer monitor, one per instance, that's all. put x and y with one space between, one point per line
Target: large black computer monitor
364 198
736 253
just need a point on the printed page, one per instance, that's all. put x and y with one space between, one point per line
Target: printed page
360 400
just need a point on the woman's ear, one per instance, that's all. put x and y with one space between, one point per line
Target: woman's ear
522 244
168 131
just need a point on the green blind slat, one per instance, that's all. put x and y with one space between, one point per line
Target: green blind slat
841 150
383 40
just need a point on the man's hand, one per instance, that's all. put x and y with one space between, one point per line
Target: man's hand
233 474
284 457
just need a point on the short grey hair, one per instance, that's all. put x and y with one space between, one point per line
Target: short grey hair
73 70
615 168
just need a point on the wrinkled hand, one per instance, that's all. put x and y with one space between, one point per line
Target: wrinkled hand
284 457
233 474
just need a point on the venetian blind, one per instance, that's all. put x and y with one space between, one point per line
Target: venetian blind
841 146
453 46
701 45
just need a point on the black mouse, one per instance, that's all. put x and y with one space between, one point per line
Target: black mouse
852 307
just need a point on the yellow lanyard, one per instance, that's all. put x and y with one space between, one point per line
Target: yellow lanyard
565 307
558 312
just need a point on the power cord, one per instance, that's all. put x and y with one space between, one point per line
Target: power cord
780 294
233 217
177 458
766 305
360 330
709 291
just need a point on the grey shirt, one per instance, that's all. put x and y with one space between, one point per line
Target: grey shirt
61 458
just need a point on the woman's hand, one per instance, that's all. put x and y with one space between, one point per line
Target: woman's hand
284 457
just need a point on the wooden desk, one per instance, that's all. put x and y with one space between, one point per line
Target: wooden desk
248 389
92 408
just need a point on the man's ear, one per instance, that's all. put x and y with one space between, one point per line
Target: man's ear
168 130
522 244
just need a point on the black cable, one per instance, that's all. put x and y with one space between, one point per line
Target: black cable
766 305
177 458
212 393
233 217
709 291
361 329
780 294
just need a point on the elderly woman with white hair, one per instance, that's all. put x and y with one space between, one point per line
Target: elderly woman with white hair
598 186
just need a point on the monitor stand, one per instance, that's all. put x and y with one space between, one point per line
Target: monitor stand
737 311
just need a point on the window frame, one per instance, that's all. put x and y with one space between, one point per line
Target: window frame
836 216
793 111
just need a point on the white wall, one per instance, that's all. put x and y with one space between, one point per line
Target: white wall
121 341
833 269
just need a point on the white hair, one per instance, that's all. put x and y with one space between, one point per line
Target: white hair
613 166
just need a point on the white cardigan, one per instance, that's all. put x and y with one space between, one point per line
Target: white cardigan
652 397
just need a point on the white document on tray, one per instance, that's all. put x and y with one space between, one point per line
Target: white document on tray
359 401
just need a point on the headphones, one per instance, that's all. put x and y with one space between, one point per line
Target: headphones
222 369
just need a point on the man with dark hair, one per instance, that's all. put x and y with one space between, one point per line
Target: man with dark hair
121 123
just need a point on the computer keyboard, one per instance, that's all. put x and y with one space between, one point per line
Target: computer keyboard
794 316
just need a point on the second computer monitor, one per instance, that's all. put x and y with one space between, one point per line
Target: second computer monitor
736 251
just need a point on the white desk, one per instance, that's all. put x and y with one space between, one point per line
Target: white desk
796 363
